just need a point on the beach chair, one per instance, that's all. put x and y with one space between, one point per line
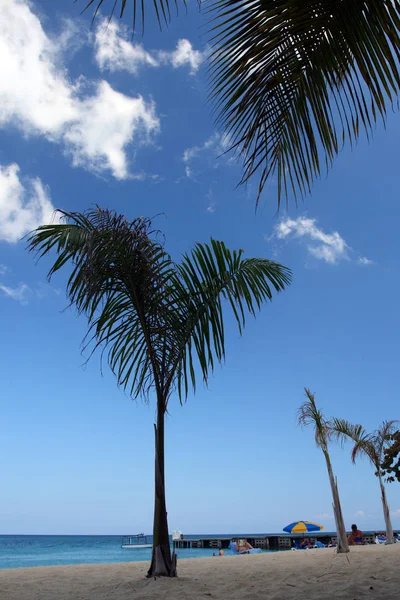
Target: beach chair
380 540
232 547
319 544
297 545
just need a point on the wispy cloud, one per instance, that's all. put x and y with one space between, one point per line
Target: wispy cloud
214 150
211 204
395 513
115 52
328 247
24 204
360 513
19 293
93 122
363 260
323 517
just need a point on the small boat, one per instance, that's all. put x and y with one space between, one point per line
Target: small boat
135 542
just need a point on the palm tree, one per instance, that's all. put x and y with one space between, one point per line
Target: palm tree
293 80
309 414
158 322
372 445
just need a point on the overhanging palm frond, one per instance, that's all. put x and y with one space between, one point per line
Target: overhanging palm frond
208 276
293 80
140 8
309 414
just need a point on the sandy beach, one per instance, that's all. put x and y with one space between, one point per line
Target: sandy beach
367 572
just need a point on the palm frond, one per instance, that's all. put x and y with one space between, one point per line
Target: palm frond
364 442
208 277
292 81
118 281
152 317
162 9
309 415
382 436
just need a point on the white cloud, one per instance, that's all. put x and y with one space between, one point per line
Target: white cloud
19 293
114 51
94 129
3 270
186 55
323 517
329 247
22 207
213 148
396 513
363 260
108 122
360 513
211 204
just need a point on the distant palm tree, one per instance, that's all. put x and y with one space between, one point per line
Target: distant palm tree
373 446
157 321
293 80
310 415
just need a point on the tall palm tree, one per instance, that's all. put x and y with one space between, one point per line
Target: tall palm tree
310 415
372 445
158 322
293 80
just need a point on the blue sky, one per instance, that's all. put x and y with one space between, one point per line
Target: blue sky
89 117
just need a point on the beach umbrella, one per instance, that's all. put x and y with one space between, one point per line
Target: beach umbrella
302 527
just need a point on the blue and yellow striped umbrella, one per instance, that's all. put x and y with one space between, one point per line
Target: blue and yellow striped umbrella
302 527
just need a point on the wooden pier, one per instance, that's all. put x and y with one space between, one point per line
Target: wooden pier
267 542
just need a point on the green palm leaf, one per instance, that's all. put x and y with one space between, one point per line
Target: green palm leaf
294 80
140 8
154 318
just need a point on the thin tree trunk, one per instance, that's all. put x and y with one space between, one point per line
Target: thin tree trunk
162 563
343 544
386 512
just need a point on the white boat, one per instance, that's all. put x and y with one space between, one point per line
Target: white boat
135 542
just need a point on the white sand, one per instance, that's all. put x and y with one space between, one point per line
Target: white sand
367 572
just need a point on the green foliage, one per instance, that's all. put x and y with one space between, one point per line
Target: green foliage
309 415
391 462
293 80
372 445
155 320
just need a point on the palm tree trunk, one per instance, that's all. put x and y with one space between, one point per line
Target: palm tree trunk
162 563
386 512
342 542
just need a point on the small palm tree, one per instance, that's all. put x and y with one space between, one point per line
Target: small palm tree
371 445
310 415
158 322
293 80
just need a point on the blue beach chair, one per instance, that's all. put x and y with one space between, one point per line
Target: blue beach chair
232 546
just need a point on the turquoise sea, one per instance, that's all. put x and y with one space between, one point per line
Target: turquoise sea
48 550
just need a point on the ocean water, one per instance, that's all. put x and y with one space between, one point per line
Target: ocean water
49 550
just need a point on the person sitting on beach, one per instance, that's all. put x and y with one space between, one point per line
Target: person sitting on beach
221 553
306 543
356 536
243 546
